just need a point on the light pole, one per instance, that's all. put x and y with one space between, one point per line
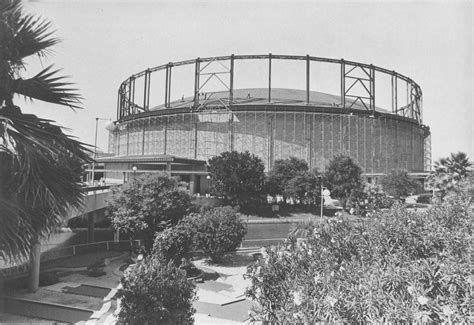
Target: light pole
134 168
95 146
208 177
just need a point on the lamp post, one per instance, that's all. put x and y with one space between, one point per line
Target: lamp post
134 168
95 146
208 177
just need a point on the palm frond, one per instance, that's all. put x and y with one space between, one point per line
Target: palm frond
34 36
42 176
48 87
23 35
9 6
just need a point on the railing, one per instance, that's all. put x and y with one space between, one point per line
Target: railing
352 75
89 248
69 251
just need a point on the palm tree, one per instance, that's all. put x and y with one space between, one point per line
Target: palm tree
448 172
457 164
38 180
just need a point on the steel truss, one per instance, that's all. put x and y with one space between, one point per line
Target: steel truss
354 88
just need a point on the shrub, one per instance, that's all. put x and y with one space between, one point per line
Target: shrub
156 293
218 231
173 244
148 204
424 198
397 267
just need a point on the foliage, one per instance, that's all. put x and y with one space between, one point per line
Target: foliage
424 198
218 231
448 172
282 172
173 244
397 267
156 293
343 178
304 187
147 205
398 184
238 177
370 201
38 174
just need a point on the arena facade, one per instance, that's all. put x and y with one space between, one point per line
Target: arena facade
181 133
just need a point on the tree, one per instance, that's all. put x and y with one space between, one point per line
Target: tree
282 172
36 189
305 187
398 184
217 231
156 293
397 267
147 205
175 243
238 177
448 172
343 178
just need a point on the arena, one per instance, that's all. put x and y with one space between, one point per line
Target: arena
211 115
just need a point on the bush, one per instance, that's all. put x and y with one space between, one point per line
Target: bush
218 231
156 293
424 198
397 267
148 204
173 244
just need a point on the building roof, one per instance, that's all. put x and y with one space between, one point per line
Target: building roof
259 96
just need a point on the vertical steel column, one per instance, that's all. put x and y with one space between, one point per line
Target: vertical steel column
231 81
394 92
169 83
343 83
307 79
133 95
197 71
408 100
410 92
372 89
145 90
269 77
166 87
148 91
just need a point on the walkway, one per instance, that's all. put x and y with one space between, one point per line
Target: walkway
79 298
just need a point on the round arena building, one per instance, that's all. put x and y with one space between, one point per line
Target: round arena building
176 116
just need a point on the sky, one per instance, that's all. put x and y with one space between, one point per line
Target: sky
104 42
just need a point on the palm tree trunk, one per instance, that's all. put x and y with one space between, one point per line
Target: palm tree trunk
35 256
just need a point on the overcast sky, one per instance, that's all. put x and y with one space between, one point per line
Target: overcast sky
104 42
